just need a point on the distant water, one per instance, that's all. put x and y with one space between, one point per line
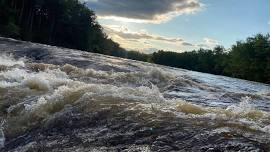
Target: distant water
56 99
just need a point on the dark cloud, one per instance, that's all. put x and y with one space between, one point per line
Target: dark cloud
187 44
202 46
146 10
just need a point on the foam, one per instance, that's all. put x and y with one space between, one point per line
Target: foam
8 60
60 86
4 84
41 81
151 76
36 83
242 114
77 91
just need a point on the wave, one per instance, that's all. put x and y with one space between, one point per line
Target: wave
38 92
8 61
148 99
238 115
148 77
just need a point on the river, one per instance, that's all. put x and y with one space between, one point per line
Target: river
57 99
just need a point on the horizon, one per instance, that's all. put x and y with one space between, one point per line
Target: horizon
180 25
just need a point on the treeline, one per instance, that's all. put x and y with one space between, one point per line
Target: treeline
66 23
249 59
69 23
203 60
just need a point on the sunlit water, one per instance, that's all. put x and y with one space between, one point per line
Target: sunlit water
56 99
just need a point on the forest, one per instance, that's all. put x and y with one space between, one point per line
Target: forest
66 23
69 23
249 59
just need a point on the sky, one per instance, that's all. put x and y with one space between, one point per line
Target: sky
180 25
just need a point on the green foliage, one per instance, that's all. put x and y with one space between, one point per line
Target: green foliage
67 23
210 61
7 21
248 59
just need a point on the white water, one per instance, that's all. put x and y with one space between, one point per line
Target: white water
34 92
59 89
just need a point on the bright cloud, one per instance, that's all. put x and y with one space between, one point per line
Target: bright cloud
147 42
124 33
208 43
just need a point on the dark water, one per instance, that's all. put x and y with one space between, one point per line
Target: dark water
56 99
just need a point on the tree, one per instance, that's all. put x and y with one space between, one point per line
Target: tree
249 59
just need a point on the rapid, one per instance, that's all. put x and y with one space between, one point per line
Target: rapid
57 99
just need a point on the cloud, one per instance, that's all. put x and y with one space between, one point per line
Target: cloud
146 50
268 22
144 41
208 43
124 33
187 44
141 11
